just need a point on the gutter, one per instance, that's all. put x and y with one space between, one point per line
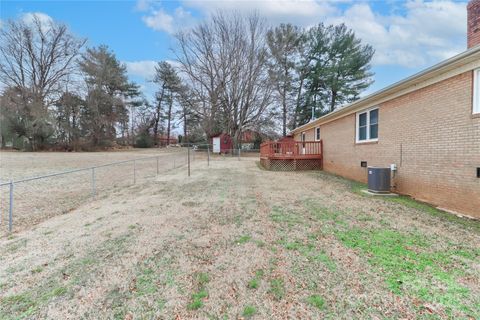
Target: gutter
402 84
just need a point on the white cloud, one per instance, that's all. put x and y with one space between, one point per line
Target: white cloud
413 34
142 5
160 20
144 69
425 33
44 19
300 12
266 7
428 32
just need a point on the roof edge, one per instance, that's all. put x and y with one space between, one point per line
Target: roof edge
391 89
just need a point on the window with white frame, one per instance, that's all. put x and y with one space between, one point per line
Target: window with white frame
367 125
476 91
317 134
303 137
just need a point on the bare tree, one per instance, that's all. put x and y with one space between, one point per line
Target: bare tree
35 58
225 59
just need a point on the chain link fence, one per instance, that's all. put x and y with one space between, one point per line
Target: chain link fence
205 152
28 201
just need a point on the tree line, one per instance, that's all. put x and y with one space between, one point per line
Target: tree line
232 74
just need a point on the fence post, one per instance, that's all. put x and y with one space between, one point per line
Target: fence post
93 183
1 200
188 157
208 155
157 165
134 171
10 210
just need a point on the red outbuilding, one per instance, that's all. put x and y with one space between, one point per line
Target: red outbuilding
222 143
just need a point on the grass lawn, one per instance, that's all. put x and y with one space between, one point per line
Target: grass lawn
234 241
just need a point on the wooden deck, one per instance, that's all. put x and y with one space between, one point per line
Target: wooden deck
292 155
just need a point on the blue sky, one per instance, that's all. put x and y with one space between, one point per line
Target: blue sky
408 35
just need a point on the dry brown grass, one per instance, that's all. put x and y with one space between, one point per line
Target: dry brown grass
234 241
38 200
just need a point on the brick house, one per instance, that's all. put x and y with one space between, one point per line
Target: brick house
427 124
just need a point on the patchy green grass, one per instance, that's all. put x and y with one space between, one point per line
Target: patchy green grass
411 268
75 273
260 243
407 261
254 283
316 301
426 208
243 239
16 245
201 280
197 299
357 187
38 269
326 260
325 215
145 291
308 249
277 288
249 311
281 215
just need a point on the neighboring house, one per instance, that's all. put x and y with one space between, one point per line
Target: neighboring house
163 141
428 125
250 139
223 142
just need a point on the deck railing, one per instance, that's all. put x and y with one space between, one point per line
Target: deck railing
291 149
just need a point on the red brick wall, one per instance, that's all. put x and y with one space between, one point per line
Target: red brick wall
473 23
432 137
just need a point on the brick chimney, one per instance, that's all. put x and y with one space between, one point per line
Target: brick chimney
473 23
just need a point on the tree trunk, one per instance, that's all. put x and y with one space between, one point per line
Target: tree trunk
169 118
333 101
157 117
284 100
297 107
185 126
284 113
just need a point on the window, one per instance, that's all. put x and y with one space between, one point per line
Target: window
476 91
367 126
317 134
303 136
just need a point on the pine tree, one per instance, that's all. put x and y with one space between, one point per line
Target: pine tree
284 44
169 82
108 91
339 69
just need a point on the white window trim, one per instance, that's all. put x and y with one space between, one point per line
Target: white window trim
476 91
303 136
315 132
357 140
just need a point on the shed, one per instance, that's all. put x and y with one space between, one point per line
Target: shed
222 143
